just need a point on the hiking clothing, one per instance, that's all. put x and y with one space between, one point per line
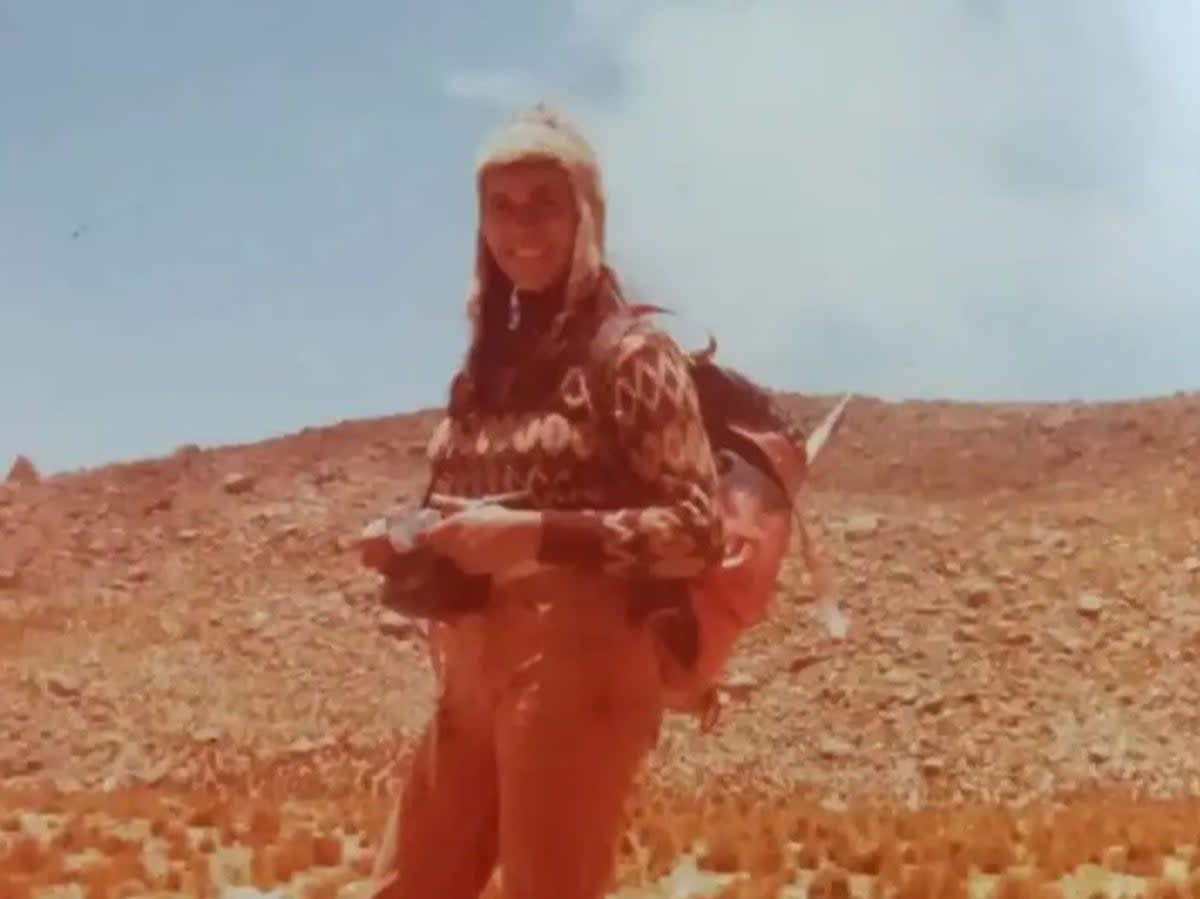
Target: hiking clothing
548 704
550 693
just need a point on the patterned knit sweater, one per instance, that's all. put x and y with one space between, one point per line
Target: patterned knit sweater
616 457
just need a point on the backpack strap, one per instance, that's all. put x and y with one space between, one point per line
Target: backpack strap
617 325
662 604
613 329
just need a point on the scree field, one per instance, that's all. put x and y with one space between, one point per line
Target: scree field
200 697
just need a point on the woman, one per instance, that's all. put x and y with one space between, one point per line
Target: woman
550 694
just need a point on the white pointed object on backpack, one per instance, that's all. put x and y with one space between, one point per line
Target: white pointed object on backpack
827 610
817 439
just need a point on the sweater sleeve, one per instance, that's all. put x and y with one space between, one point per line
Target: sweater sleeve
659 428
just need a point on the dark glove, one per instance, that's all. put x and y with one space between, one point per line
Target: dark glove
421 584
417 582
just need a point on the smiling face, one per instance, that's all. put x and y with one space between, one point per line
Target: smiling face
528 217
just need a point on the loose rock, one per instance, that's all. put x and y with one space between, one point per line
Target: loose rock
237 483
1090 605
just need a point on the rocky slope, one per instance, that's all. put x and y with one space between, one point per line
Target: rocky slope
1023 580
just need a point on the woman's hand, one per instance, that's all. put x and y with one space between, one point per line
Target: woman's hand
481 537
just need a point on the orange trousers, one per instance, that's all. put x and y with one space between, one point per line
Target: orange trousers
549 702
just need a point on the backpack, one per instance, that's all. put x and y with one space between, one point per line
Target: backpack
762 460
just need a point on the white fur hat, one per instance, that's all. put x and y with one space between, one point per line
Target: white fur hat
540 132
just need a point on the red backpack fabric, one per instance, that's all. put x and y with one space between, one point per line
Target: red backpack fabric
763 460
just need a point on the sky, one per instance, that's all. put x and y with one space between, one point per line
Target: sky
226 221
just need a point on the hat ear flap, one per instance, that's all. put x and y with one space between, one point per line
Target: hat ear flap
489 286
585 258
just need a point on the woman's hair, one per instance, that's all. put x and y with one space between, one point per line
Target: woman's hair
492 347
484 383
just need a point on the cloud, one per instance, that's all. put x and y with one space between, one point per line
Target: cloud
492 87
956 199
